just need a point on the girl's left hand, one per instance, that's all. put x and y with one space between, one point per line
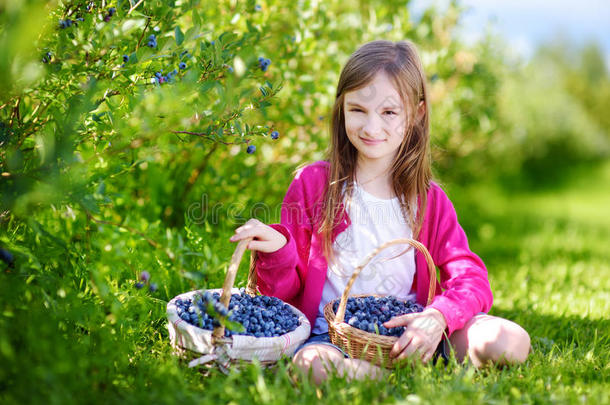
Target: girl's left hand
423 333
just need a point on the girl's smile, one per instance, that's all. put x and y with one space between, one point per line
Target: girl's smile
372 141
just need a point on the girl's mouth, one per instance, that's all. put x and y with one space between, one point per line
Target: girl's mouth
372 141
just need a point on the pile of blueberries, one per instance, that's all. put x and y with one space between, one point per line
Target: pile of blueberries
369 313
261 316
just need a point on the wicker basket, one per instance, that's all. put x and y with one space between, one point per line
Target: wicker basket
201 346
356 342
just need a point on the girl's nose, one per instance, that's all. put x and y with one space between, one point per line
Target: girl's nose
373 125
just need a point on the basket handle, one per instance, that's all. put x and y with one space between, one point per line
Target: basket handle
340 316
225 297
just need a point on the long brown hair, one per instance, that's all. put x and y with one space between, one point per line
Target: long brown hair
410 171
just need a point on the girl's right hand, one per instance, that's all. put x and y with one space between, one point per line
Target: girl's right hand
266 239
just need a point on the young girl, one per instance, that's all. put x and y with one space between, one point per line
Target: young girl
375 186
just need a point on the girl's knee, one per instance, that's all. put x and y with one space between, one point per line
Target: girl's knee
317 359
503 342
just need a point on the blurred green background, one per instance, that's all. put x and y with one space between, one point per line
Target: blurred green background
107 171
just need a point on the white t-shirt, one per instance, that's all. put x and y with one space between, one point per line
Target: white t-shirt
373 221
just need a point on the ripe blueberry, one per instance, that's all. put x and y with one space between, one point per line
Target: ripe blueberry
6 256
125 58
182 65
145 276
153 287
251 149
139 285
275 135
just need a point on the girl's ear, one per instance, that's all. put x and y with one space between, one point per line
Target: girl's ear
421 110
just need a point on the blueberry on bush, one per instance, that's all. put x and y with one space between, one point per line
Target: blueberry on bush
111 11
152 41
182 65
144 276
251 149
139 285
264 63
275 135
125 58
6 256
153 287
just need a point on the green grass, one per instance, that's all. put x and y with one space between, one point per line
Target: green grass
549 267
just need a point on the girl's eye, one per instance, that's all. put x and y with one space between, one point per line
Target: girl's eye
356 110
391 112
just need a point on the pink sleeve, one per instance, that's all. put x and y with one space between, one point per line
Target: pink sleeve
280 273
466 289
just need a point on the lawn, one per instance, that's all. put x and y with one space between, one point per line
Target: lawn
546 250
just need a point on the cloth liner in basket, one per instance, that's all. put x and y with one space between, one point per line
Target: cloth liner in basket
202 346
356 342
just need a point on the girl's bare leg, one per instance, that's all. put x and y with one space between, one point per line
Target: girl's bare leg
487 339
321 359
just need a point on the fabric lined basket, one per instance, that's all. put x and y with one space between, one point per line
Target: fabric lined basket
356 342
202 346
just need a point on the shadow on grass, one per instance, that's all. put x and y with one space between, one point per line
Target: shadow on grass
559 333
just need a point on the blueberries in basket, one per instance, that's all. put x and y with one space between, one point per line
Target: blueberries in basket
261 316
369 313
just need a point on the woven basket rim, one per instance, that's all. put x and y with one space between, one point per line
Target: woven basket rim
171 312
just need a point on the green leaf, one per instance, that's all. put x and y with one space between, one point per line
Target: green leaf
196 17
88 201
179 36
206 86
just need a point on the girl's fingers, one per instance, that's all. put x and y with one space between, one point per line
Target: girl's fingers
244 232
400 345
257 245
413 347
427 357
401 320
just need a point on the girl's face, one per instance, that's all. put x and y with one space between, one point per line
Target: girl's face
375 120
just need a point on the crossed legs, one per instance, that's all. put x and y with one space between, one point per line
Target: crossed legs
484 340
322 359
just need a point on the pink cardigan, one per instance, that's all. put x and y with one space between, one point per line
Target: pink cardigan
296 273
